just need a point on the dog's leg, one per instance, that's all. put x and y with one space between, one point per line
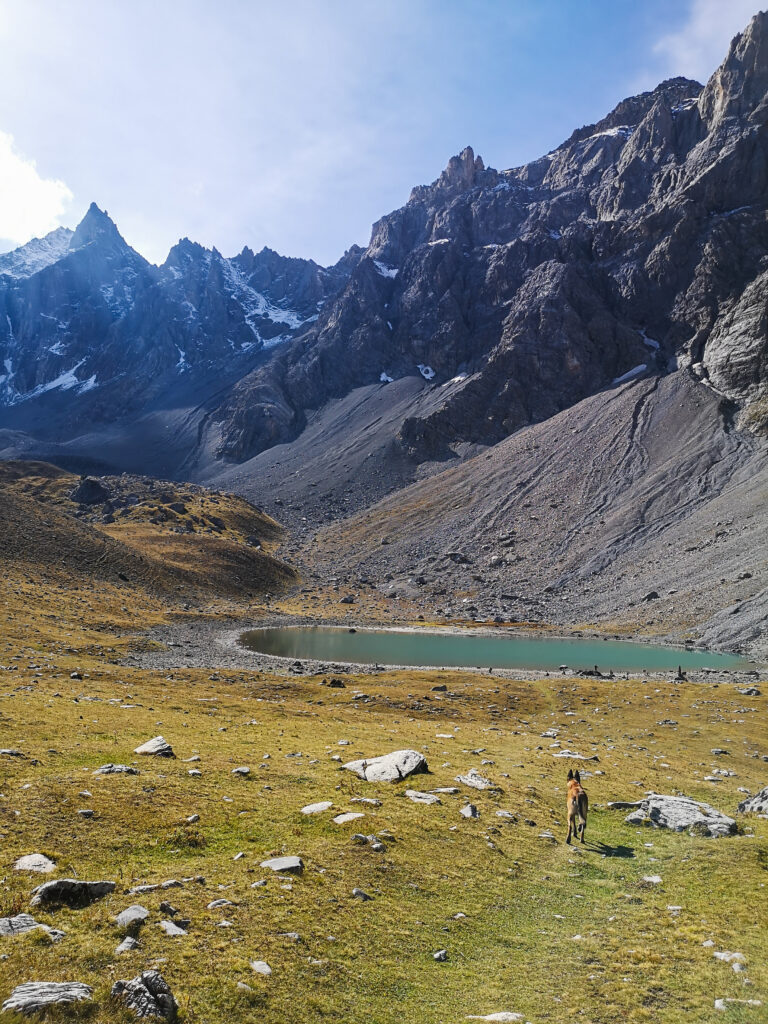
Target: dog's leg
570 826
582 827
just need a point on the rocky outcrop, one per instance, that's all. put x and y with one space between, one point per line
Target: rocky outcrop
389 767
757 804
147 995
38 996
71 892
681 814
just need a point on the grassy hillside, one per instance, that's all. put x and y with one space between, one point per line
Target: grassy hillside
550 931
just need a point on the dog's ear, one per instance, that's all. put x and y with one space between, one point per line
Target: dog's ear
577 776
570 774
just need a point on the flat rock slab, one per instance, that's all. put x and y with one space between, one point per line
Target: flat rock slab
504 1017
157 747
475 780
172 929
37 996
323 805
116 769
23 923
261 967
422 798
757 804
147 995
342 819
35 862
286 865
679 814
72 892
132 917
576 757
389 767
127 945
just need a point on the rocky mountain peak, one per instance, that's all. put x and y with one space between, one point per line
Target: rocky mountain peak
97 226
739 86
461 173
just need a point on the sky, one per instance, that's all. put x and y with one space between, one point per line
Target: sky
296 123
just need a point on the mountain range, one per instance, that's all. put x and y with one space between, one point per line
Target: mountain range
587 332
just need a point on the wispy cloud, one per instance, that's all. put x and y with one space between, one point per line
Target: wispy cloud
29 203
697 47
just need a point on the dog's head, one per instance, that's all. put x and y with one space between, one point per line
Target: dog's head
574 775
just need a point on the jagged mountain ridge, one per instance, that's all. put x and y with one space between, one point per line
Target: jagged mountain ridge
86 319
636 247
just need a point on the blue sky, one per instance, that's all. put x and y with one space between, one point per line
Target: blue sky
296 124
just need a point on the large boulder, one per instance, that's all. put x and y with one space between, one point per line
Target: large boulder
147 995
90 491
38 996
72 892
35 862
757 804
389 767
681 813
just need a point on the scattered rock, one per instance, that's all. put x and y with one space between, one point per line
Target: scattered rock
22 923
71 892
723 1004
342 819
157 747
757 804
35 862
127 945
422 798
172 929
324 805
441 955
475 780
680 813
469 811
147 995
576 757
132 917
389 767
37 996
360 895
116 769
504 1017
215 904
242 771
286 865
650 880
261 967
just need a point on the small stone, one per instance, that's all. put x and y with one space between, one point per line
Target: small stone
441 955
652 879
172 929
86 813
132 917
261 967
422 798
469 811
318 808
290 865
242 771
342 819
219 903
193 818
127 945
195 773
360 895
116 769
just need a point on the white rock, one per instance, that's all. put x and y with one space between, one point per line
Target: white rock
243 770
132 917
290 865
22 923
576 757
680 813
757 804
728 957
157 747
261 967
35 862
422 798
469 811
388 767
219 903
317 808
38 996
723 1004
475 780
342 819
652 879
504 1017
172 929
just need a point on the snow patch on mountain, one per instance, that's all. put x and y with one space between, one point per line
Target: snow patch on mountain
36 255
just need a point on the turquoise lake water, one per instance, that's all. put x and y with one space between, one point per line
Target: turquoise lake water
473 650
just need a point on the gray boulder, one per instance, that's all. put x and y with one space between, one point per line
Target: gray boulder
147 995
132 917
38 996
90 491
116 769
23 923
475 780
679 814
284 865
157 747
72 892
757 804
422 798
127 945
389 767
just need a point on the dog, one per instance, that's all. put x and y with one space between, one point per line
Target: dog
578 805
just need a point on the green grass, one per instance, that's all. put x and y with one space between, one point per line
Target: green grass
525 898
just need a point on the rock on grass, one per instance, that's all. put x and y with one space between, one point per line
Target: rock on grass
37 996
147 995
388 767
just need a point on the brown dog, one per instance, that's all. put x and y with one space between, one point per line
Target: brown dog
577 806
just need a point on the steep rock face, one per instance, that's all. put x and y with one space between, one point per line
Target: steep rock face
89 327
638 243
